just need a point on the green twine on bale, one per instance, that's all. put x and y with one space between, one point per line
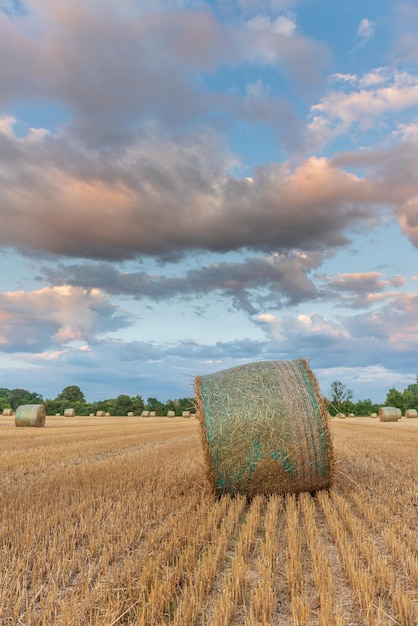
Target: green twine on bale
265 429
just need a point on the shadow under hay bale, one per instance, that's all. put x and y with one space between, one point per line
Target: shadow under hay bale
264 429
30 415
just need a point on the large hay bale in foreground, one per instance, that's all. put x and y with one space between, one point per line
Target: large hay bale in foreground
411 413
265 429
69 412
389 414
30 415
8 412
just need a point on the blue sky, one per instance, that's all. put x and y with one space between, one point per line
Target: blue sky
187 186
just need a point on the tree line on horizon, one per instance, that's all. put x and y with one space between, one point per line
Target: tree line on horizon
339 401
73 397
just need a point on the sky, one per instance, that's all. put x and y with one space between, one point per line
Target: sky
189 185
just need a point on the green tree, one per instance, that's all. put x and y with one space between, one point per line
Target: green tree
123 404
72 393
395 398
17 397
340 395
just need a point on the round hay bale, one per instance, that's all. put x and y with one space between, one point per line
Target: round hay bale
130 413
373 415
340 416
91 415
411 413
69 412
30 415
351 415
8 412
152 414
389 414
185 414
171 414
100 413
265 429
145 414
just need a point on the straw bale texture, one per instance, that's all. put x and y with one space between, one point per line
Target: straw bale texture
152 414
69 413
389 414
185 414
171 414
130 414
373 415
145 414
30 415
8 412
100 413
264 429
411 413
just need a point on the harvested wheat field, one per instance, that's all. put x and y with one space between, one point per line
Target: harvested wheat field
110 521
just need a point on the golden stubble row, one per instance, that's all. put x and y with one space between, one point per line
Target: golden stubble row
116 525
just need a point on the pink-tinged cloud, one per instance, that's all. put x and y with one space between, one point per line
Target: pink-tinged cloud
33 321
166 196
378 94
364 282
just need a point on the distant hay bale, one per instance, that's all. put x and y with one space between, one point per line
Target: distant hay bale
130 414
411 413
145 414
100 413
8 412
351 415
340 416
171 414
69 413
264 428
57 414
373 415
30 415
185 414
91 414
152 413
107 414
389 414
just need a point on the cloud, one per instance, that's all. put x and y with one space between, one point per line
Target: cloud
116 69
365 31
387 336
166 196
379 94
361 289
280 280
282 25
54 316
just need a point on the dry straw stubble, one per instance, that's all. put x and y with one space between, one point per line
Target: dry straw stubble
265 429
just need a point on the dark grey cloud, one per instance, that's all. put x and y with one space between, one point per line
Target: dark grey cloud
279 280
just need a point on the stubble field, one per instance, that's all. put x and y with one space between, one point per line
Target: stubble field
109 521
